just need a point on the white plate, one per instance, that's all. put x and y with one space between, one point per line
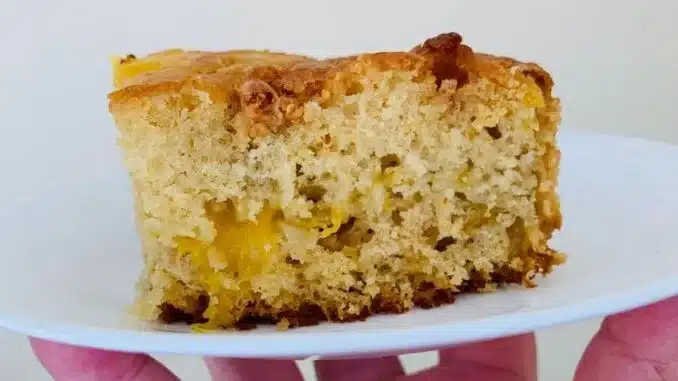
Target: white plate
70 259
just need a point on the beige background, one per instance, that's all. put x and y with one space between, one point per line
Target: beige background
615 66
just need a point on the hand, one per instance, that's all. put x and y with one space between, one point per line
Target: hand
640 345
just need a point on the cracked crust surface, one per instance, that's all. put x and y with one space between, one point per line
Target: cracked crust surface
273 87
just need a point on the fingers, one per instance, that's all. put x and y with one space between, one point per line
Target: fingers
506 359
639 345
367 369
70 363
375 369
252 370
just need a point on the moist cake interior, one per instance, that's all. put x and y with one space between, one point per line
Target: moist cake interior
391 187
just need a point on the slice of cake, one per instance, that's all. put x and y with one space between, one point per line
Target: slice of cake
280 188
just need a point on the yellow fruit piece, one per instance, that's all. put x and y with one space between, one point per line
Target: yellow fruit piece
125 68
208 327
327 225
337 218
196 250
247 247
534 97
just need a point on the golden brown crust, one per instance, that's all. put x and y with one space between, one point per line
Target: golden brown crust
272 87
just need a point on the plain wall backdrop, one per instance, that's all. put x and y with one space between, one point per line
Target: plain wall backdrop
615 65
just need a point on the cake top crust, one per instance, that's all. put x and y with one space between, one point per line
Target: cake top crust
444 56
272 88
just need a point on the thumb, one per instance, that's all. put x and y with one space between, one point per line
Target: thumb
639 345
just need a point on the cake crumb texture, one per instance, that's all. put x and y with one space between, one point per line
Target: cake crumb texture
279 188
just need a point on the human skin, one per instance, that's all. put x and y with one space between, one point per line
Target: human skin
639 345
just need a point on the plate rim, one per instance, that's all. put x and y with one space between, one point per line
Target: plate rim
268 344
